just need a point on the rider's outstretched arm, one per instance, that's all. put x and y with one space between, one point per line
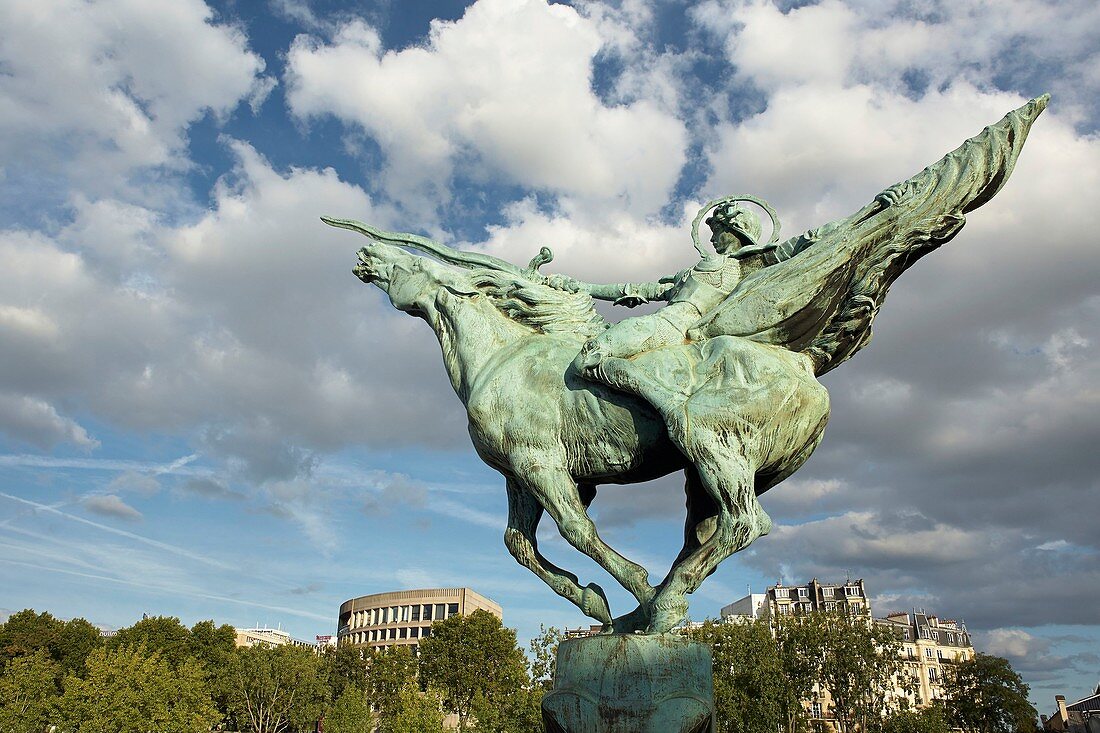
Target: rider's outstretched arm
628 294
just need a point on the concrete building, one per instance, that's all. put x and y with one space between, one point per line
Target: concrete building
929 645
268 637
403 618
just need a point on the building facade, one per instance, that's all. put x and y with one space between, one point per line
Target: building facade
403 618
929 646
1082 716
268 637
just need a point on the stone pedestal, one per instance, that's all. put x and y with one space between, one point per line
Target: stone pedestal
631 683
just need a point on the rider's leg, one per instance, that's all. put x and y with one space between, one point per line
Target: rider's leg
553 487
523 521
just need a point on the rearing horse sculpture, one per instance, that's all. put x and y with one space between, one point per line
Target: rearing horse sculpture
736 406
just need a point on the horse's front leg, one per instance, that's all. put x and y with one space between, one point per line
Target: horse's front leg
552 485
524 513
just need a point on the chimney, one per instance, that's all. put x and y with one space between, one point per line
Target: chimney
1062 712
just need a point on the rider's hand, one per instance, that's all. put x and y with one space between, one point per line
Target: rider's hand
564 282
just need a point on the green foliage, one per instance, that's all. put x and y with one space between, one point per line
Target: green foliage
515 711
211 645
748 676
800 642
544 656
274 689
391 672
133 690
414 711
67 642
927 720
164 635
860 660
985 694
345 667
28 693
350 713
468 657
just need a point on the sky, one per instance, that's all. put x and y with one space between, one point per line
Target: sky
203 414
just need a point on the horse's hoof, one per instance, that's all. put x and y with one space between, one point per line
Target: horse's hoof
594 603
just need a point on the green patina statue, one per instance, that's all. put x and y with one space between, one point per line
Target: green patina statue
720 383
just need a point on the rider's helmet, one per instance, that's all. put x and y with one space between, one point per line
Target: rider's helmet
730 217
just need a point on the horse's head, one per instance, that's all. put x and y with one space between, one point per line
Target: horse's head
413 282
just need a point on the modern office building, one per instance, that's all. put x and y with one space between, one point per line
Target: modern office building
403 618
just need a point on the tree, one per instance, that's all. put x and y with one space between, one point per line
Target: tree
927 720
75 640
211 645
346 667
133 690
28 693
25 632
544 656
350 713
468 656
394 690
67 642
164 635
985 694
414 711
273 689
860 664
748 676
800 644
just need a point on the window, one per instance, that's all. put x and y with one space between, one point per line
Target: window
426 632
416 612
928 653
830 605
815 709
851 591
414 632
802 592
939 653
440 611
405 613
827 592
933 674
452 609
403 633
428 612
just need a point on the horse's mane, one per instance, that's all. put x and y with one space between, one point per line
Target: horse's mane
537 306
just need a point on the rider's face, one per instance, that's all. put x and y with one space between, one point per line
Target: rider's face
725 241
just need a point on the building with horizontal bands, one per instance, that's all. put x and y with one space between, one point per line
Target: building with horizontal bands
404 617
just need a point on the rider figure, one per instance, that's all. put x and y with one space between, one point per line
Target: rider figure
690 294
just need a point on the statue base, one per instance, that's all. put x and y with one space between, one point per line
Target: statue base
631 683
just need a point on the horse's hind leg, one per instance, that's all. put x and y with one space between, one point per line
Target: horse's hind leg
523 520
729 481
555 489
